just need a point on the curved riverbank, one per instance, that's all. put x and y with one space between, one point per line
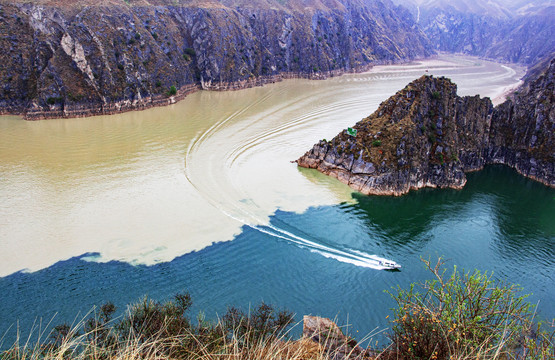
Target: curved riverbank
78 110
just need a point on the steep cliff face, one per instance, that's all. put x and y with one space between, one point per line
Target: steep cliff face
522 39
523 127
102 57
515 31
427 136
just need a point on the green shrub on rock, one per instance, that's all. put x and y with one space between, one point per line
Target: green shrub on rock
465 315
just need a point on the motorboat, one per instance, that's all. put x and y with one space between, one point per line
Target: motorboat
389 264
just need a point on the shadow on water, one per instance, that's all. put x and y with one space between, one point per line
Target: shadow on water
499 222
523 211
254 267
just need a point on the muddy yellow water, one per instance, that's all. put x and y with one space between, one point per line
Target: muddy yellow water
146 187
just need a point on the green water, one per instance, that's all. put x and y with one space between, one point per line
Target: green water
202 196
500 222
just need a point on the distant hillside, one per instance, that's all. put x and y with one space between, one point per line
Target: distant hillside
512 31
490 8
77 58
428 136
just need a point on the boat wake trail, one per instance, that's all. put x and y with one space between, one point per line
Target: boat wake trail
239 139
350 256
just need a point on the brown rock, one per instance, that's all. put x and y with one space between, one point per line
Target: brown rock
329 336
427 136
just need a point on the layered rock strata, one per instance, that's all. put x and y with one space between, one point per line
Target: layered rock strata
522 133
427 136
79 58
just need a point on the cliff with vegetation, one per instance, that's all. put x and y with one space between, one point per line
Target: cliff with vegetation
66 59
427 136
522 133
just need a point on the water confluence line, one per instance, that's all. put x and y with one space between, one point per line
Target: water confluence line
357 258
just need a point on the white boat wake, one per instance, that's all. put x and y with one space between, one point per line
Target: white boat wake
222 193
350 256
240 165
115 185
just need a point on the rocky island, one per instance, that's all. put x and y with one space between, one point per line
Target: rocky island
428 136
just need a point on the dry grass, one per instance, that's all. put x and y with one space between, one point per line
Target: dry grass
85 346
79 345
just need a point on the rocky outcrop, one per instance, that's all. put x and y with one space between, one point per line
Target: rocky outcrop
522 133
65 59
427 136
329 336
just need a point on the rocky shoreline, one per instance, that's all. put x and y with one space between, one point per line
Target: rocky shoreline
427 136
101 57
77 110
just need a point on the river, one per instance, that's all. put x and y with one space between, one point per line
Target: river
202 196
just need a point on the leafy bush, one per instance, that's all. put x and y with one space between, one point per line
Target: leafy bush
54 99
190 51
172 91
463 316
74 97
149 320
258 326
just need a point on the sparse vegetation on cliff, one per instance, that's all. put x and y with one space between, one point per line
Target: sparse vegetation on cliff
460 316
114 53
429 136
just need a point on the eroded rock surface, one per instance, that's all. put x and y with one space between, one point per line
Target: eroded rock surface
85 57
428 136
329 336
